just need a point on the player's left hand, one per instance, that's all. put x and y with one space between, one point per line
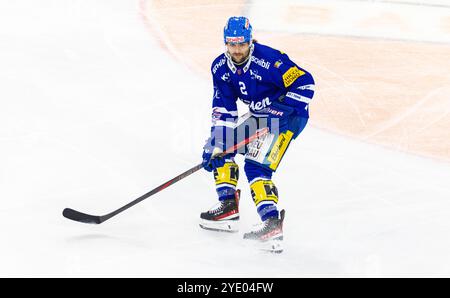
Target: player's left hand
277 125
278 119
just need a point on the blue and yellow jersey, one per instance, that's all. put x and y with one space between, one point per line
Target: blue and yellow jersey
269 83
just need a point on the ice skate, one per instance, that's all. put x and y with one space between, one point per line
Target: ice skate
269 234
222 217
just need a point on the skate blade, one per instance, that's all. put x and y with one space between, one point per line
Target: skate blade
272 246
229 226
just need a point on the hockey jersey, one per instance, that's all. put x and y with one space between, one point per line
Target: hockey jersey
269 83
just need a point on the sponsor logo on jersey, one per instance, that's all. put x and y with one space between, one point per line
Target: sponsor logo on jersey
298 97
261 62
254 75
291 75
218 64
235 39
306 87
216 94
258 106
277 64
226 77
275 112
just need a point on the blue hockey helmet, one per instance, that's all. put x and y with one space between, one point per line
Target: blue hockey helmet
237 30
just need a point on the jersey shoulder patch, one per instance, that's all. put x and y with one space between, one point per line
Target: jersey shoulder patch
291 75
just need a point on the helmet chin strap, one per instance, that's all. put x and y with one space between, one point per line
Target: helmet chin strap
231 63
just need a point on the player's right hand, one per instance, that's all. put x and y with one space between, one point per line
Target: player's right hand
211 160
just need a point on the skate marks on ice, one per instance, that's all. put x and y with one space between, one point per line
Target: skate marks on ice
237 257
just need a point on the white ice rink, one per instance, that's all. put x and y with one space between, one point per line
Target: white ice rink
93 115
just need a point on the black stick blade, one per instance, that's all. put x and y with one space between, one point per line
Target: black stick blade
81 217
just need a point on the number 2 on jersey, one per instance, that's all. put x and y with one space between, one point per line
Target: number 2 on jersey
243 88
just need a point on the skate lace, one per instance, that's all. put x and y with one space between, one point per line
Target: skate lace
259 227
217 207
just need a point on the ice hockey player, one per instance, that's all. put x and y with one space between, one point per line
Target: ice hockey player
278 93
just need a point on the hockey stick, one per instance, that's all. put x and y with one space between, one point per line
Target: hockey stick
96 219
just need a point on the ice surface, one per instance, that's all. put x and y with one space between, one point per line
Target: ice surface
93 114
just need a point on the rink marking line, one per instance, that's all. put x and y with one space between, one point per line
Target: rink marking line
156 31
398 118
357 102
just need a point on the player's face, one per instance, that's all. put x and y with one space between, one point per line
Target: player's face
238 51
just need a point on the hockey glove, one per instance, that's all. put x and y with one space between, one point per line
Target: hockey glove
277 125
210 160
278 119
216 145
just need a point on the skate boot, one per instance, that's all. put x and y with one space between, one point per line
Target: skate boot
222 217
269 234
